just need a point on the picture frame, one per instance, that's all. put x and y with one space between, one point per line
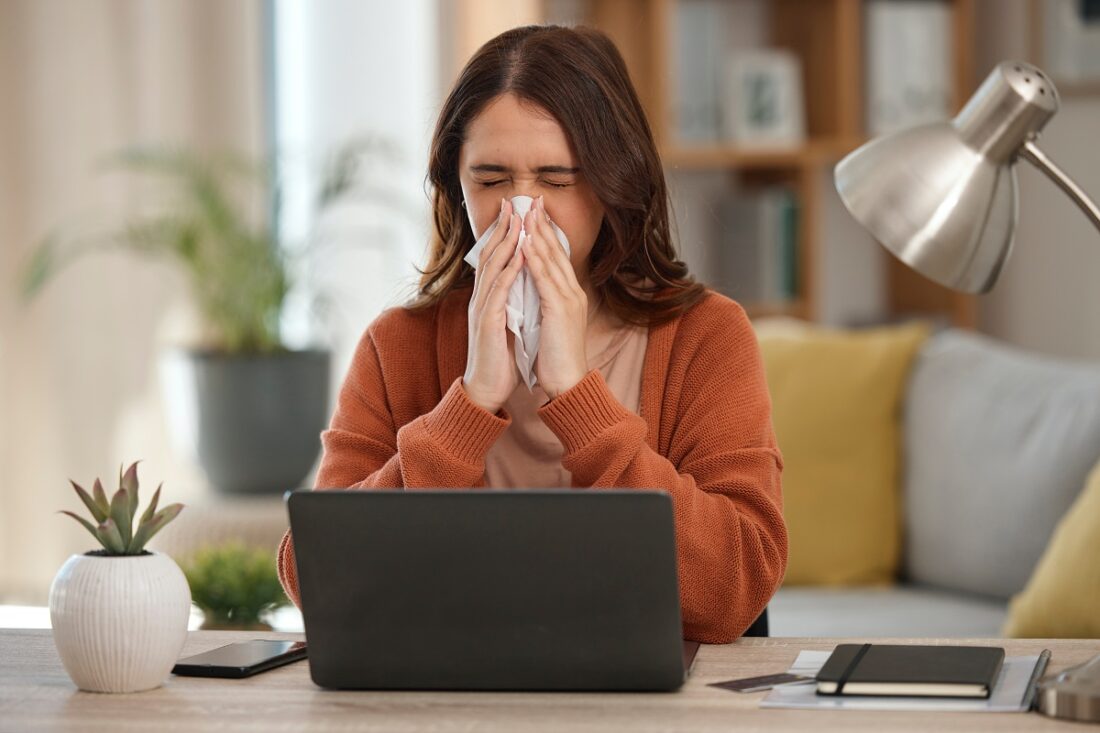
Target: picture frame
1065 43
762 105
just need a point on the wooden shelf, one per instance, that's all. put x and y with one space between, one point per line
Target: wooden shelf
790 309
709 157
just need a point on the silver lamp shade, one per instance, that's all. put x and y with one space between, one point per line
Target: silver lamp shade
943 197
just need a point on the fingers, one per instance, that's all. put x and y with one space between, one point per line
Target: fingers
546 258
499 234
498 291
490 269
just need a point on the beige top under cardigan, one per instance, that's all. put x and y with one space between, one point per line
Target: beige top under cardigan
528 455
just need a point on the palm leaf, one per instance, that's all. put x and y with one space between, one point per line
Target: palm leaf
238 275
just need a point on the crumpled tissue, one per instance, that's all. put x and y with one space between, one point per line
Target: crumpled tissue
522 306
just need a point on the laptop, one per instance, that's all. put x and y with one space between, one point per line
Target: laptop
490 589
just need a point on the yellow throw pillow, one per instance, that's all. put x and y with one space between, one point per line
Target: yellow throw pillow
836 404
1062 598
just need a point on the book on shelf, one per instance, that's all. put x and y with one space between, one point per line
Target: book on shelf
758 247
917 670
729 85
698 41
909 60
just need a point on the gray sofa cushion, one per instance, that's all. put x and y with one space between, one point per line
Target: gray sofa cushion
904 610
997 446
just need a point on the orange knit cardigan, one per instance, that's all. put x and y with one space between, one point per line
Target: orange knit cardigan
705 435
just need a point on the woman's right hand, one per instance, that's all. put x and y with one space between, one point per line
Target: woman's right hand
491 373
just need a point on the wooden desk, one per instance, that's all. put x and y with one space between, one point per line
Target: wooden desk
36 694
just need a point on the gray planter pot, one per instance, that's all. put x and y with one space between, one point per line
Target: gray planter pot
254 421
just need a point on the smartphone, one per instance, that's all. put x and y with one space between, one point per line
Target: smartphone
241 659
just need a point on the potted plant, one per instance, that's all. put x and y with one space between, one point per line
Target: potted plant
235 586
250 407
119 614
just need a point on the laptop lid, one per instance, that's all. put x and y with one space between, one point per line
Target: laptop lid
489 589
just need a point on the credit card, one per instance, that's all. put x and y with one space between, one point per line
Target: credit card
764 682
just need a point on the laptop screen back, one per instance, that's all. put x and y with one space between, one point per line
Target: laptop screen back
489 589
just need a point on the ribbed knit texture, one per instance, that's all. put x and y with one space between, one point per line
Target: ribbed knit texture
705 436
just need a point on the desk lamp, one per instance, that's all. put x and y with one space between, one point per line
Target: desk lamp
942 198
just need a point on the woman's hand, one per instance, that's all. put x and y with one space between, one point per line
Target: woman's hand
491 373
561 361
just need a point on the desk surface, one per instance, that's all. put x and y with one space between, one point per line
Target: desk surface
36 694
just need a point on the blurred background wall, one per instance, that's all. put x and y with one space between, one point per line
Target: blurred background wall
80 388
340 71
79 391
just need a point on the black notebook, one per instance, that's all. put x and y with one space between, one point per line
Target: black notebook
911 670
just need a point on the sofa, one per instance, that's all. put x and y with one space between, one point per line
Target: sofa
993 447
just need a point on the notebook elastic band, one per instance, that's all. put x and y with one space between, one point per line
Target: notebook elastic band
851 668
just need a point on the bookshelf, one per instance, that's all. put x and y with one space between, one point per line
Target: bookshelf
827 37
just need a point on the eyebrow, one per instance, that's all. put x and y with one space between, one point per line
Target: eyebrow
495 168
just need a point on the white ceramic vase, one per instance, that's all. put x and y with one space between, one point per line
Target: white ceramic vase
119 622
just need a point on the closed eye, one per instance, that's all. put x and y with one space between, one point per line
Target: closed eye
490 184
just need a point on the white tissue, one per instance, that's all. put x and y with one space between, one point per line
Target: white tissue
522 306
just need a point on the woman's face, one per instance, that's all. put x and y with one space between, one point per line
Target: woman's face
515 148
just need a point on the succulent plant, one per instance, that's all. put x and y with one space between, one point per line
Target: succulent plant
114 528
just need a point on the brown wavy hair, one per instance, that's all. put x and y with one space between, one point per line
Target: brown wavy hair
578 75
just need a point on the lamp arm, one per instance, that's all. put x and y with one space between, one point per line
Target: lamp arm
1031 153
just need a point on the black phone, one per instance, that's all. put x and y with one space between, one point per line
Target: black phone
241 659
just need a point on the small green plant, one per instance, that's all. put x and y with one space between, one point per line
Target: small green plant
234 585
114 528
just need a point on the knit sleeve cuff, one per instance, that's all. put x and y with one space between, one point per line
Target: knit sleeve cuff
465 429
582 412
287 567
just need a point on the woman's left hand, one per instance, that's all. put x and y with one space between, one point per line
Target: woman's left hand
561 361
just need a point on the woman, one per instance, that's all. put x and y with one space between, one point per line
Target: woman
644 378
